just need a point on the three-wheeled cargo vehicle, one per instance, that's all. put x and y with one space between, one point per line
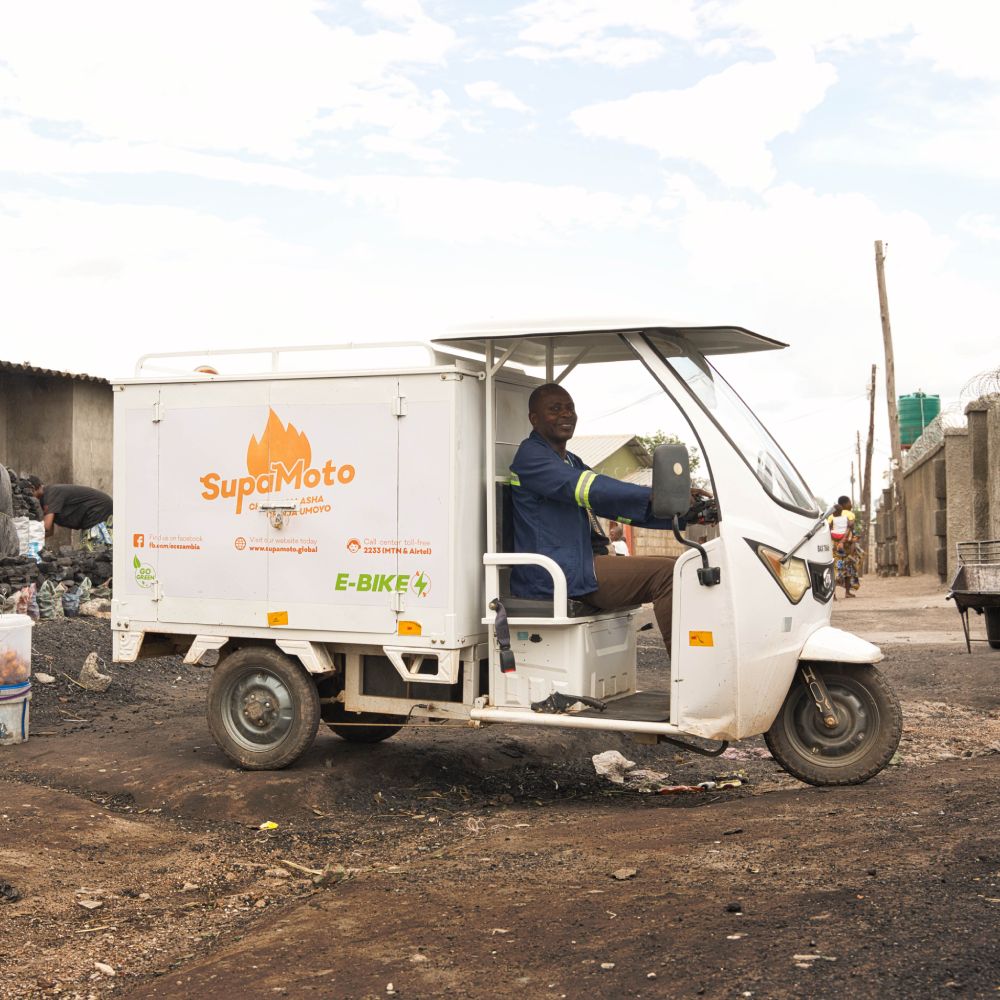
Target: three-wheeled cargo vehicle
334 541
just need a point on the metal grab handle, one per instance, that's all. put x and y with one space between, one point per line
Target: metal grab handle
559 588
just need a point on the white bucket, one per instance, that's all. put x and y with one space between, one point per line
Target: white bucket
15 677
15 701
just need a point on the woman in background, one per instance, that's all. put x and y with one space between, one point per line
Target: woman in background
846 551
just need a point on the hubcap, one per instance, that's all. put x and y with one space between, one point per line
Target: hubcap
258 710
848 738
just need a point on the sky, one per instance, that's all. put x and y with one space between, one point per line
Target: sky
194 176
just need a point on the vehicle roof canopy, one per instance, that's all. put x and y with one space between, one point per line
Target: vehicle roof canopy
566 340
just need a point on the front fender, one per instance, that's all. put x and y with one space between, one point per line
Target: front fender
828 643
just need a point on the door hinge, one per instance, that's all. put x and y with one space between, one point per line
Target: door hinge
399 406
157 591
157 412
397 602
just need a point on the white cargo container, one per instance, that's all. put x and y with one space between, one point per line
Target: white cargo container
335 538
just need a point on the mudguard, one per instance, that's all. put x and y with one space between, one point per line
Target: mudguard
836 645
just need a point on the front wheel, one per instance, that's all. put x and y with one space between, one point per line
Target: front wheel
263 709
867 731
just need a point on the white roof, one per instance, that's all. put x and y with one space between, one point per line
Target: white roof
597 340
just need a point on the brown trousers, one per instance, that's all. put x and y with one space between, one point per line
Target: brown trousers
624 580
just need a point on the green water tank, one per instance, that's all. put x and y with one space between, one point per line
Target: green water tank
916 411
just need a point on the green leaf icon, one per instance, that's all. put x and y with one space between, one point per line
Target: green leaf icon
135 562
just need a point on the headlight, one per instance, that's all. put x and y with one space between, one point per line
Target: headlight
792 576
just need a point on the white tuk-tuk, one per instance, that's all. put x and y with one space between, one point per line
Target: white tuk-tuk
358 571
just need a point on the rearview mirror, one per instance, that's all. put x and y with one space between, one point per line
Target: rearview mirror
671 480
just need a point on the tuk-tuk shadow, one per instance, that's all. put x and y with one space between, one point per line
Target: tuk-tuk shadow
456 769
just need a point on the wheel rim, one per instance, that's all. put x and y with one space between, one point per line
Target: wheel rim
858 721
257 710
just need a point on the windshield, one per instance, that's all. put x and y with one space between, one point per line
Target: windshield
735 419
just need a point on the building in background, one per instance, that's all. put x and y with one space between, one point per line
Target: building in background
624 457
57 426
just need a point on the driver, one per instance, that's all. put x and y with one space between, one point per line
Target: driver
555 498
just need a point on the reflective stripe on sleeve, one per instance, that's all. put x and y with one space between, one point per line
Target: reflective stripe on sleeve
514 479
582 491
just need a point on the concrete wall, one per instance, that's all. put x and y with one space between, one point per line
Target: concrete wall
959 489
58 429
93 422
977 415
925 520
39 426
993 473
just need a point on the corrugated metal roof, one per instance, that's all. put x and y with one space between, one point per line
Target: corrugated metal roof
597 448
23 368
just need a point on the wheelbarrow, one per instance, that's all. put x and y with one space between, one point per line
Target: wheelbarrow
976 587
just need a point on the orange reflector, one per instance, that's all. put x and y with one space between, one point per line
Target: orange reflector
409 628
700 639
277 618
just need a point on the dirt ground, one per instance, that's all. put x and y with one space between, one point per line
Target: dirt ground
459 863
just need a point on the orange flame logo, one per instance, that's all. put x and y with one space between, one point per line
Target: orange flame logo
278 445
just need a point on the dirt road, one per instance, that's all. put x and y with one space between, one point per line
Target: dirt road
470 864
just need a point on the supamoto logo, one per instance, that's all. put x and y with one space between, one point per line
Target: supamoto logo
281 459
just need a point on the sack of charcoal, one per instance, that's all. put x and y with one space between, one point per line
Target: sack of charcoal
8 533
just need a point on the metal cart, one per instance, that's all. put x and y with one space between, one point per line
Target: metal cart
977 586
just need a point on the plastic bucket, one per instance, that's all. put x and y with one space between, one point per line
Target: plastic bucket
15 700
15 649
15 677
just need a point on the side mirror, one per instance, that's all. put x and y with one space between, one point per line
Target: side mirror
671 480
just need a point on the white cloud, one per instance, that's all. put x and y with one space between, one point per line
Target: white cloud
614 32
724 122
235 76
983 226
479 211
491 93
958 37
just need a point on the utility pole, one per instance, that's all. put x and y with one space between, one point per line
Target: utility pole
852 482
858 442
866 484
899 505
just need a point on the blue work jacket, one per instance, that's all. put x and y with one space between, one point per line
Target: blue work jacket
552 497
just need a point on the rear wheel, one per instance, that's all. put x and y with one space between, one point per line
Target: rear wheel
867 732
993 627
361 727
263 709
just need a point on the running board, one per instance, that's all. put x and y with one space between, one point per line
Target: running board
525 717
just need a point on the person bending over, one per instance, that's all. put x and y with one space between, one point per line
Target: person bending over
78 507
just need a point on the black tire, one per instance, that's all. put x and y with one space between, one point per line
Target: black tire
361 727
870 723
263 708
992 627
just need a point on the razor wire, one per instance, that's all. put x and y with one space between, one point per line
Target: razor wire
950 417
984 386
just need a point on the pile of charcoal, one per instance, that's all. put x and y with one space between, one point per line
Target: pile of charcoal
66 563
23 498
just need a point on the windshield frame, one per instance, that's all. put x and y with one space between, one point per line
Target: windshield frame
701 362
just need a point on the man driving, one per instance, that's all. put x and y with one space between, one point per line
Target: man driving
555 496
